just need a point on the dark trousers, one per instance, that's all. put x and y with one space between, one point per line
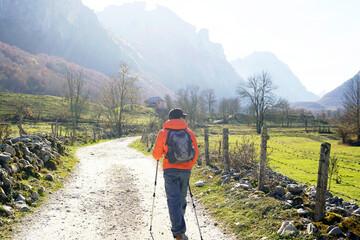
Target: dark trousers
176 185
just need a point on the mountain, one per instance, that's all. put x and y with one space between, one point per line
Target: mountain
334 98
69 30
174 53
289 86
63 28
22 72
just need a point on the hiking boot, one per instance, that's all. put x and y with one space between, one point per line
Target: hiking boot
180 237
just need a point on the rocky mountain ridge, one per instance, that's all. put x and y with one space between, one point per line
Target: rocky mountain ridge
288 85
63 28
174 52
333 100
335 97
166 52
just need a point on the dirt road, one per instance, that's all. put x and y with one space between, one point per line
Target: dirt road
109 196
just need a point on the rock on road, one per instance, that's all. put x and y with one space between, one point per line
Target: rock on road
109 196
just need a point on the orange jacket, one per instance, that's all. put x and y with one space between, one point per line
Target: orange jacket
160 148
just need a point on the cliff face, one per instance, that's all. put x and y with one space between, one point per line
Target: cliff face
63 28
174 52
71 31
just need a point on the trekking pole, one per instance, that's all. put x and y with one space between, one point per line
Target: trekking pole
192 199
152 210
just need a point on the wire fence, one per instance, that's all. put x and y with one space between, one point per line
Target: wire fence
298 157
279 153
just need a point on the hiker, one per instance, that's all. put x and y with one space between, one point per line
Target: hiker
178 145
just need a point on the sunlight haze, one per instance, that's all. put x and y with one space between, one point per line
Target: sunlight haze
318 40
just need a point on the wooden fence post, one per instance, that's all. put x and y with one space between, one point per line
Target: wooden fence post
206 139
322 181
52 129
226 149
94 134
263 151
56 129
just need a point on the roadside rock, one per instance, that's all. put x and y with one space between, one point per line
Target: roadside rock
303 212
25 208
287 228
311 229
49 177
34 196
280 191
199 184
335 231
8 149
20 198
294 188
357 211
41 190
9 211
5 157
245 186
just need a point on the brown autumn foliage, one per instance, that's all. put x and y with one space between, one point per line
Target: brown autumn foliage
22 72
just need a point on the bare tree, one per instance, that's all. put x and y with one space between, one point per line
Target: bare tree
305 117
283 108
188 100
351 104
224 109
22 108
234 106
343 127
210 98
258 89
117 93
76 97
202 109
169 102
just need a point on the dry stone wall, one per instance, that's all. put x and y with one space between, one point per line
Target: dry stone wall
22 158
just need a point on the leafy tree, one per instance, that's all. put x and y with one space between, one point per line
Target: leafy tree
258 89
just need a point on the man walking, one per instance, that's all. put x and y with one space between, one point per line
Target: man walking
178 144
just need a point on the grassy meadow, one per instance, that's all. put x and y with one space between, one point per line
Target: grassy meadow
295 153
253 216
291 151
43 110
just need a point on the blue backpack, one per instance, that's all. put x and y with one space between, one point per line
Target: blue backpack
180 148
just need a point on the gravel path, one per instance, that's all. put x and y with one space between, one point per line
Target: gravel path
109 196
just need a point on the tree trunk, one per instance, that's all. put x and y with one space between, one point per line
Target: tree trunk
73 132
119 123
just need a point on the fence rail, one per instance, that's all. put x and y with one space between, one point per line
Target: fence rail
322 157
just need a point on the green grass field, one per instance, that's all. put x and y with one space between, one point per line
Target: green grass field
50 108
295 154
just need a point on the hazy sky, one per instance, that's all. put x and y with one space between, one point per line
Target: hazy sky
318 39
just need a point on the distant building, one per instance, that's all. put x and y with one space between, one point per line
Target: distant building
156 102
